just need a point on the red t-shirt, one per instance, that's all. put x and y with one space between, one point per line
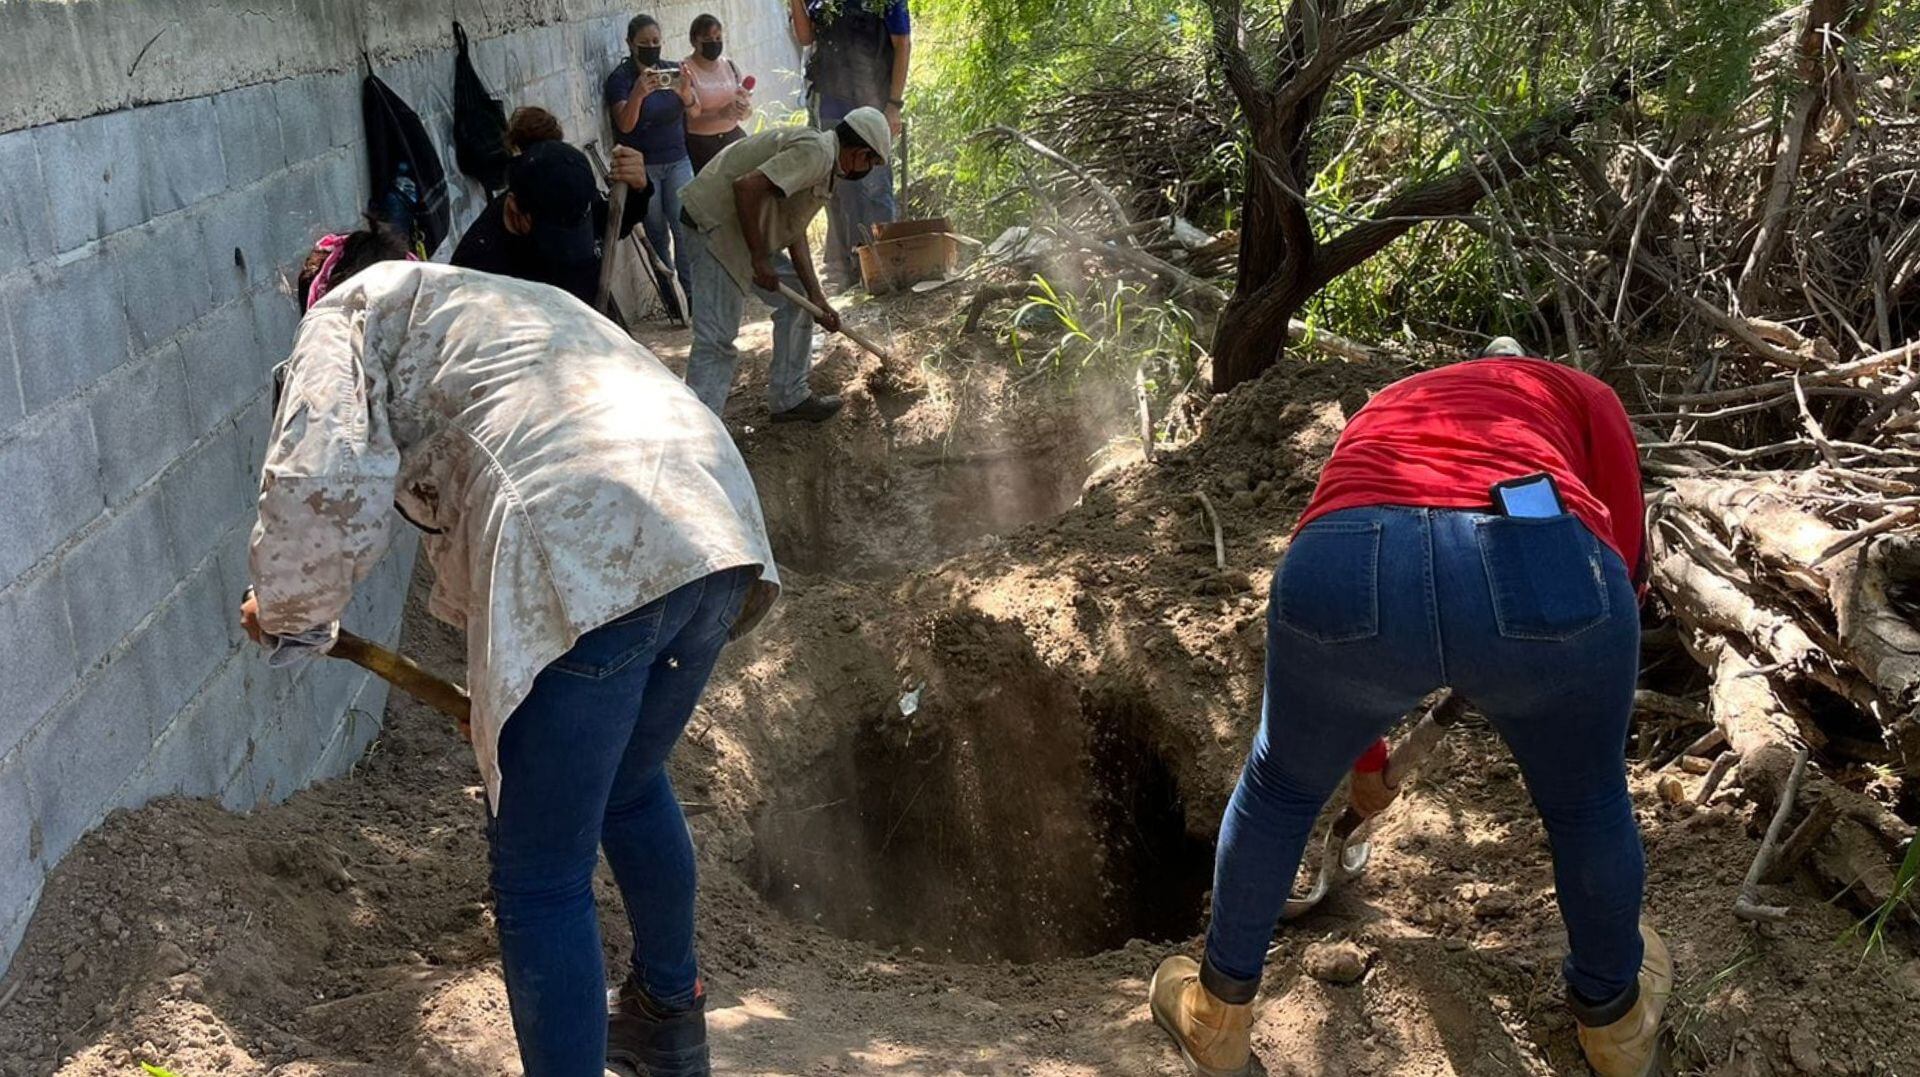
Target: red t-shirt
1441 439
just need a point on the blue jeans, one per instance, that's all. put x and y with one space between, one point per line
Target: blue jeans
718 304
663 220
583 767
1533 620
857 205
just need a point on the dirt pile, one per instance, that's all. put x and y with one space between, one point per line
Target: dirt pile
954 800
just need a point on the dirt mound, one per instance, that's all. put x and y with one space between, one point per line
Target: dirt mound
952 803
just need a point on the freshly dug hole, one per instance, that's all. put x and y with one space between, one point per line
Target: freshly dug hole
1010 817
879 492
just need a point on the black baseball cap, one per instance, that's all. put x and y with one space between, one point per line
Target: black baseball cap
552 184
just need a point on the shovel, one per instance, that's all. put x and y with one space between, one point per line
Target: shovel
1346 851
437 692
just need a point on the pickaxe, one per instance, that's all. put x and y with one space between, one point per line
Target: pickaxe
1345 852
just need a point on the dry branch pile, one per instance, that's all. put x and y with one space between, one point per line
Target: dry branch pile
1799 591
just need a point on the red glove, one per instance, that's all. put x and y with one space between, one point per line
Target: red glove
1374 759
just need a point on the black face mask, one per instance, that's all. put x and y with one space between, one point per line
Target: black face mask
710 50
646 55
860 175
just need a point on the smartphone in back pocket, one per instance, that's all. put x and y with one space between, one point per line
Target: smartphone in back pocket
1530 497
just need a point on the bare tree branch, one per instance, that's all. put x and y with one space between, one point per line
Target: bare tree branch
1464 186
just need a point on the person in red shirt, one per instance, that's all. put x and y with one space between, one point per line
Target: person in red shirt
1433 554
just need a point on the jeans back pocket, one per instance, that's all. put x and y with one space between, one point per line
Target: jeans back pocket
613 646
1544 576
1328 587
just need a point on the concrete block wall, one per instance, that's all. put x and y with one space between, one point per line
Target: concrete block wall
144 250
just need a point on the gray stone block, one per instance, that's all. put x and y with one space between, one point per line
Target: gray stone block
183 646
293 221
21 873
222 357
205 496
250 140
84 751
275 319
50 485
163 282
26 228
140 421
340 186
339 91
254 425
306 123
181 141
92 169
12 410
335 685
68 328
202 747
285 746
235 239
39 667
116 576
490 62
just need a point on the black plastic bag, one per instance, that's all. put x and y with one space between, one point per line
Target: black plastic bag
479 122
408 183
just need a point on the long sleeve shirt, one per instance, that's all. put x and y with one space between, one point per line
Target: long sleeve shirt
563 475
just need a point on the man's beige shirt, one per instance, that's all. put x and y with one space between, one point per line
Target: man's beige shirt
799 160
563 475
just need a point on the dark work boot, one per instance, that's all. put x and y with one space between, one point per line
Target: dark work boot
654 1042
814 409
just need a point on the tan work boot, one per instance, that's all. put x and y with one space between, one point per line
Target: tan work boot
1630 1047
1215 1037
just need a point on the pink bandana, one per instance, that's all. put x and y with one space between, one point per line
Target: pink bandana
333 244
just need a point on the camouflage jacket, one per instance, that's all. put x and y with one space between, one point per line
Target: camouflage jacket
563 475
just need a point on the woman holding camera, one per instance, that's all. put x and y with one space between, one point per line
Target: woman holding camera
649 100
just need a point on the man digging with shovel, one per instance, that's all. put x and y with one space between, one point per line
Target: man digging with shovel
747 214
595 532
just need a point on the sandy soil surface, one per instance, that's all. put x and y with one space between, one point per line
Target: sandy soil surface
977 882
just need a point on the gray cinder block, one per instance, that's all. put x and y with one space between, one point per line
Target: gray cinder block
162 277
249 122
50 484
222 358
116 576
92 171
26 224
181 144
140 421
68 327
37 641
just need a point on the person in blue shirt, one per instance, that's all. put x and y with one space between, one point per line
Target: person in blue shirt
861 49
648 101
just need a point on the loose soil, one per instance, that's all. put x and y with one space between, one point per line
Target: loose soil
964 787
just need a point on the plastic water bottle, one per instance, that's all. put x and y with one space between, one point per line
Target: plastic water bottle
403 200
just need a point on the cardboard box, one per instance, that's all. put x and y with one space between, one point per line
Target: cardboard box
904 253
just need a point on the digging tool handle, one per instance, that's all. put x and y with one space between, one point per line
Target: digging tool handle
616 209
850 332
405 674
1409 753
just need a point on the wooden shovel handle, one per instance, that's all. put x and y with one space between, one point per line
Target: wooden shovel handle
405 674
848 331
